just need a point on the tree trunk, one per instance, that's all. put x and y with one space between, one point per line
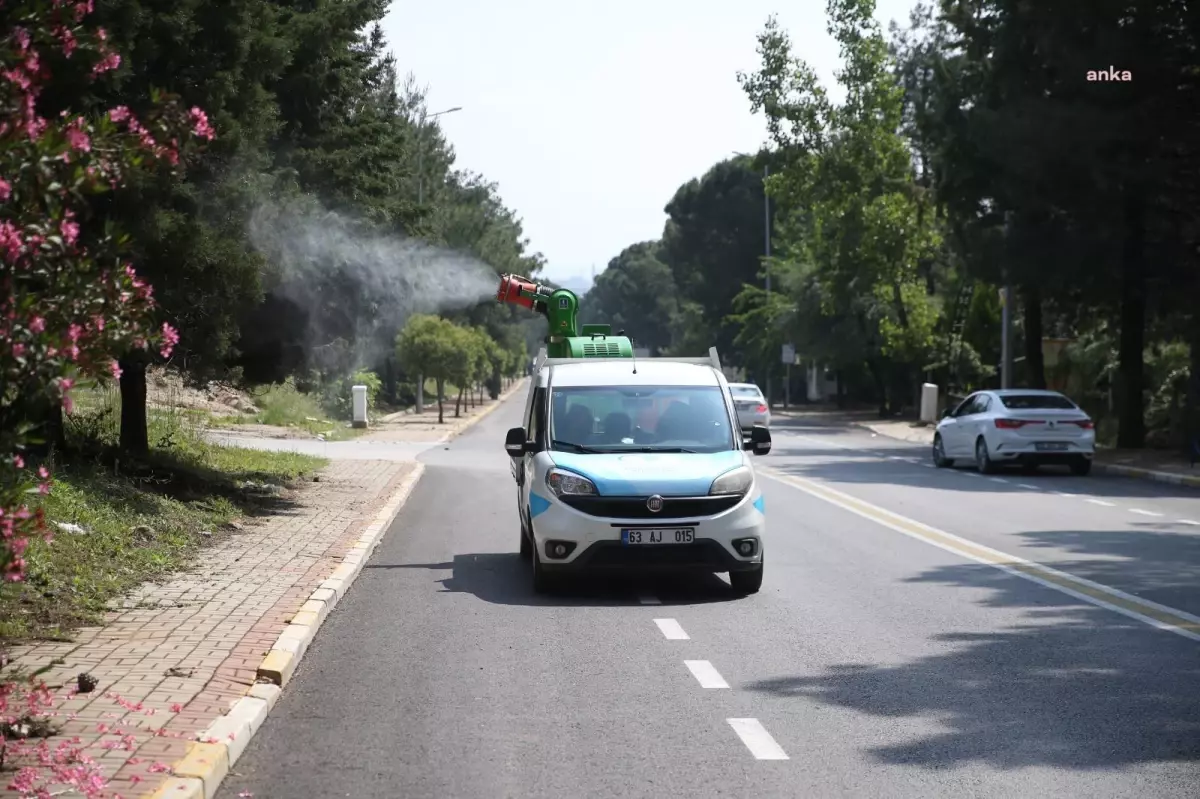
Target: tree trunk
1035 364
880 387
1131 421
1191 406
440 393
45 413
458 403
389 379
135 434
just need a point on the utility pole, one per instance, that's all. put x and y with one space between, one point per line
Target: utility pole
1006 356
767 250
420 202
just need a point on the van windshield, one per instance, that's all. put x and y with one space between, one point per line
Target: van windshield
639 419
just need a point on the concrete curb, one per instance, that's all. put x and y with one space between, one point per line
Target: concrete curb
1192 481
457 431
209 759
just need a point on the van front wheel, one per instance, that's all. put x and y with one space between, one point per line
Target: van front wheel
747 582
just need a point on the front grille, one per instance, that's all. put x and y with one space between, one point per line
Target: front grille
700 555
635 507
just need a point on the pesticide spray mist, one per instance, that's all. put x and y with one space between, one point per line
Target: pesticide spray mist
356 286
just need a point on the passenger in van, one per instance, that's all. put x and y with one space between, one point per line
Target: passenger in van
578 425
617 427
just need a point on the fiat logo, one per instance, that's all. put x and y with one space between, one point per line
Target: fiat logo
655 503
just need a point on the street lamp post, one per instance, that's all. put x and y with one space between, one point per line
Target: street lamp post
421 201
421 149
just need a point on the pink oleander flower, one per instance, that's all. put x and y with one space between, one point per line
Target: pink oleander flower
67 38
109 62
11 242
170 339
200 125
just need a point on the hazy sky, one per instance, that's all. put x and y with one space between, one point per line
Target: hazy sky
590 115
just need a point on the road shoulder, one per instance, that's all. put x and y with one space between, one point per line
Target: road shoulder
1142 464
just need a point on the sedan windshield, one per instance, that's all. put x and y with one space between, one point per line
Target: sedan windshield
1038 402
639 419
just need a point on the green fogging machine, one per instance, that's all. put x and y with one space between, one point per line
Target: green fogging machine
561 309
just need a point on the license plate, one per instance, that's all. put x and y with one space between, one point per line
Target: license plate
669 535
1050 446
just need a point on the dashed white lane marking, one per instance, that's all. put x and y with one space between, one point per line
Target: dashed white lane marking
671 629
1188 521
1065 494
972 474
1102 502
649 600
1144 512
706 674
756 738
927 465
998 480
1029 487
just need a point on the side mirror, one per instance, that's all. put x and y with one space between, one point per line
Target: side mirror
946 413
515 442
760 440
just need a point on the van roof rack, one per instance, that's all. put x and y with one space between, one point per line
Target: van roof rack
712 359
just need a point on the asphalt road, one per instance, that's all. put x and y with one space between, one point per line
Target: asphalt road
882 657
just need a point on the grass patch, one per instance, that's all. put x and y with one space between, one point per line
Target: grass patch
284 406
132 520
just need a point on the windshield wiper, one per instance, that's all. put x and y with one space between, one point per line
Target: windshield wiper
665 450
577 447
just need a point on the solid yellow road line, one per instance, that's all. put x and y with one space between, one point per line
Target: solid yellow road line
1145 611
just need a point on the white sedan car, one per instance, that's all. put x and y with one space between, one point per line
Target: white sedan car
1027 427
751 405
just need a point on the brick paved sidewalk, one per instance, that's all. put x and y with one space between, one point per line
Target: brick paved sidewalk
196 641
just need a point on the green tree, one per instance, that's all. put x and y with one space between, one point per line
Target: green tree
636 293
854 212
430 346
186 228
1052 182
714 241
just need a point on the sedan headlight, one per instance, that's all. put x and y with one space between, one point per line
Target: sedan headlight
569 484
734 481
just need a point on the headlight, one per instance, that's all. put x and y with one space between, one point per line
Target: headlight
734 481
569 484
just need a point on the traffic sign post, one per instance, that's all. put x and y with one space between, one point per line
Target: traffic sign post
788 356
